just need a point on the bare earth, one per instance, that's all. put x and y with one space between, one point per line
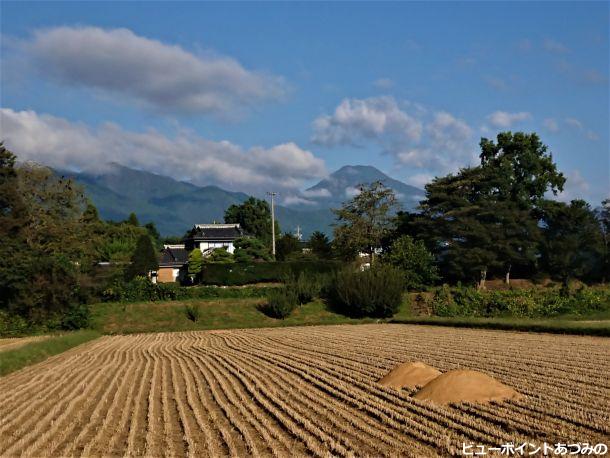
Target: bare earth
301 391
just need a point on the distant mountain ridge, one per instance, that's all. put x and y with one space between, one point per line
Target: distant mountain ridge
174 206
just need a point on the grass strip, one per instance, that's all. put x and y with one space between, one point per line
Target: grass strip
601 328
34 352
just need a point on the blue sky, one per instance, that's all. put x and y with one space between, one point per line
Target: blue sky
252 96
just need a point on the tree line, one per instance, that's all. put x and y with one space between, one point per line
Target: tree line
494 219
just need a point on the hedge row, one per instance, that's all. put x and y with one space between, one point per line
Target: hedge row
141 289
261 272
524 303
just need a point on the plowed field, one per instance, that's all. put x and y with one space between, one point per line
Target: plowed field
300 391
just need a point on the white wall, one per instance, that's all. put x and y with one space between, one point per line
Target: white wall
206 245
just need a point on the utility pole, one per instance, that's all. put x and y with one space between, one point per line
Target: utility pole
272 194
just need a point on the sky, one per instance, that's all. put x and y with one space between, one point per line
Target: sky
275 96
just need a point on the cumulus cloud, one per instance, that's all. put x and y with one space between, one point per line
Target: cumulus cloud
164 77
504 119
355 120
60 143
414 135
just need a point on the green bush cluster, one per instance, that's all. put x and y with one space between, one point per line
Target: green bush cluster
72 317
306 286
280 303
375 292
192 312
260 272
141 289
297 290
525 303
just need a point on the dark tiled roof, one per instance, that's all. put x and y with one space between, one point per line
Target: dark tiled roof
173 256
221 232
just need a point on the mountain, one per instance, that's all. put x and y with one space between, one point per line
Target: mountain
340 186
175 206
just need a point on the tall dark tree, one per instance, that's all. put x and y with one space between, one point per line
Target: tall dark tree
144 258
604 219
286 245
254 216
320 245
573 242
364 221
152 231
14 257
485 218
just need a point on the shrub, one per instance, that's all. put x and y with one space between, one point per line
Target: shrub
525 303
443 303
305 286
12 325
280 303
375 292
259 272
192 312
416 262
77 316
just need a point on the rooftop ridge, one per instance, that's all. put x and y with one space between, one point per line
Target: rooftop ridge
216 226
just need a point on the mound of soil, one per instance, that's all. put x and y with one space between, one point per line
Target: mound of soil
409 375
465 386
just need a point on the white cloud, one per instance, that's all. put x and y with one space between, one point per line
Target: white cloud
60 143
296 200
551 125
504 119
414 135
419 180
320 192
355 120
383 83
447 145
350 191
576 187
161 76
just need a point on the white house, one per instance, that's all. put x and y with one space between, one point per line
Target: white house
173 264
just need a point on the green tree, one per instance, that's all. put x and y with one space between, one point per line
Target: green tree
364 221
414 260
286 245
195 263
152 231
249 249
143 260
132 220
15 258
219 256
254 216
485 218
320 245
604 219
573 242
